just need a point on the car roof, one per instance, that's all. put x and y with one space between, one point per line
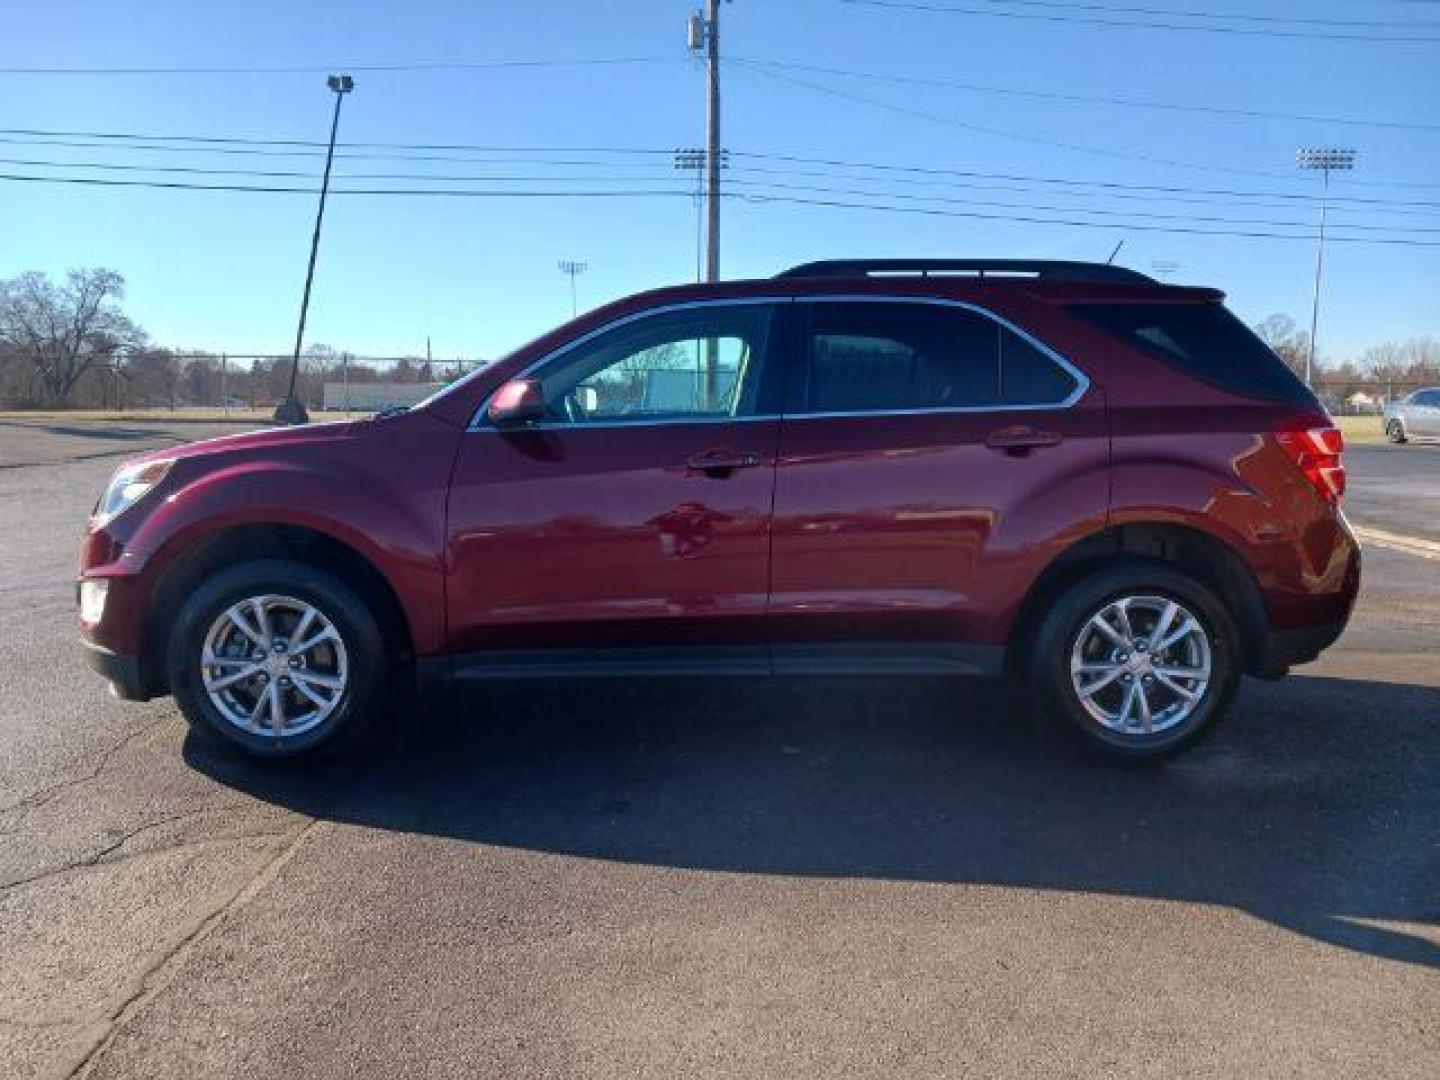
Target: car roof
954 287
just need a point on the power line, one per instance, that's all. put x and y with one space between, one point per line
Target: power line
1228 16
405 65
684 193
234 140
264 147
1366 205
764 183
910 174
275 189
1082 18
623 158
192 170
929 212
253 151
1132 103
932 170
940 118
1098 211
1030 186
1002 133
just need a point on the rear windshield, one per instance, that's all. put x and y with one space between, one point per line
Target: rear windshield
1203 340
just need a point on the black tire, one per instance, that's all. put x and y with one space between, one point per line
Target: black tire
354 718
1058 632
1395 430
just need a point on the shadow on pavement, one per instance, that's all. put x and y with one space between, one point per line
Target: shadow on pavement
89 431
1314 805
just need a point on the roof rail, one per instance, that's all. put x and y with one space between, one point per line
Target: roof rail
1040 269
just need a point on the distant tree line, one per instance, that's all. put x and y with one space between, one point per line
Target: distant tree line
1389 370
69 345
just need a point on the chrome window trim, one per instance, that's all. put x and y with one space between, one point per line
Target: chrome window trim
1082 381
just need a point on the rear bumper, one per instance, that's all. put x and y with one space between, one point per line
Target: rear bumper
1285 649
121 672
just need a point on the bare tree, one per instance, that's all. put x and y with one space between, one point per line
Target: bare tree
1289 342
64 330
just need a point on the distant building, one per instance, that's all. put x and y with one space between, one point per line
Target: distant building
374 396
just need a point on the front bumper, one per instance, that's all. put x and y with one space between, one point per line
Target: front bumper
122 672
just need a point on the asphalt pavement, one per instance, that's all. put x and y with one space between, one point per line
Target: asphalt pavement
730 878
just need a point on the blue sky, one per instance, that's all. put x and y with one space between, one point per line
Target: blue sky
224 270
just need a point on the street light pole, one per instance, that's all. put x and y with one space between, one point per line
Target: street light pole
1327 161
292 410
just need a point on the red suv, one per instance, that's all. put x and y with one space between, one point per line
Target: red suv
1068 472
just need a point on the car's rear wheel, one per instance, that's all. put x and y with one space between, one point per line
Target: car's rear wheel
278 658
1137 660
1396 431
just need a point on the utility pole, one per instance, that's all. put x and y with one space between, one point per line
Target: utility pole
1327 161
572 268
292 410
224 395
704 33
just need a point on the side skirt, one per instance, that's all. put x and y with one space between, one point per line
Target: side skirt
921 658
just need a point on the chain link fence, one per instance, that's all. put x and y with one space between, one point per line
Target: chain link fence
234 382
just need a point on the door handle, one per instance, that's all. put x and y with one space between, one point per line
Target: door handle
1021 439
721 462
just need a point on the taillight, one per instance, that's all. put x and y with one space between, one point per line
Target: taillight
1316 452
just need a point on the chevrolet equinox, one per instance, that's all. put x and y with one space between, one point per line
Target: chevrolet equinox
1066 472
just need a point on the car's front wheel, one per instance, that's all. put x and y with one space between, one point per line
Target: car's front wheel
278 658
1137 660
1396 431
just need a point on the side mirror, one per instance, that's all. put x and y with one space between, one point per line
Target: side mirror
519 401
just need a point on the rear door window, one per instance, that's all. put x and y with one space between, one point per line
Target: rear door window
884 356
1203 340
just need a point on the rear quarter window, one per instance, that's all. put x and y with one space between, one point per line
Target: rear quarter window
1202 340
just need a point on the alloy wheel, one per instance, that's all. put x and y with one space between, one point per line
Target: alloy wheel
274 665
1141 664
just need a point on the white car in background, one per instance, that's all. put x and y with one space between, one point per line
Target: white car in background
1415 416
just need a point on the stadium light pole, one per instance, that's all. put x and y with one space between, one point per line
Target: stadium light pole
292 410
572 269
1326 160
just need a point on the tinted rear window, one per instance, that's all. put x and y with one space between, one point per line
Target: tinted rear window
1203 340
877 356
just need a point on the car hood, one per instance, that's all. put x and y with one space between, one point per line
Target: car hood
265 438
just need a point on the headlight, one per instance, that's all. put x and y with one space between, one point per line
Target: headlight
129 485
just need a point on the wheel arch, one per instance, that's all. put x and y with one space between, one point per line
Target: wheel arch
257 540
1202 554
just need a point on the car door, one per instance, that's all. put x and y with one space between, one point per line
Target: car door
1424 414
636 514
930 457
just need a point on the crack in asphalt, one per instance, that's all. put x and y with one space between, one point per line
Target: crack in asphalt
98 858
45 794
148 982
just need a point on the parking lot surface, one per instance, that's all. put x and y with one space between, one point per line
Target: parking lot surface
730 878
